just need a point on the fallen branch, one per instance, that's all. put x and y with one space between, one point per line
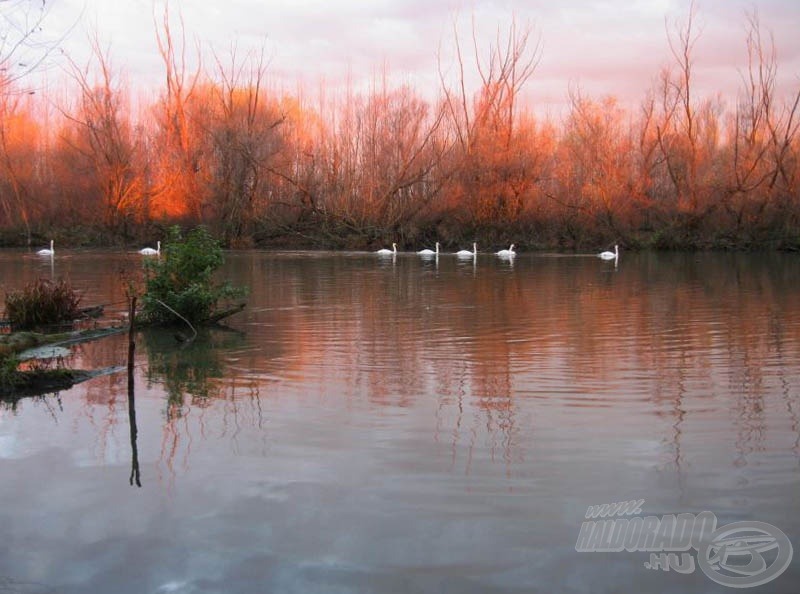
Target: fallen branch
180 316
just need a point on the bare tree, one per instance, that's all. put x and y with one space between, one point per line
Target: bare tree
598 153
688 136
244 134
104 138
15 161
177 190
777 122
511 61
23 45
493 167
762 178
397 134
23 48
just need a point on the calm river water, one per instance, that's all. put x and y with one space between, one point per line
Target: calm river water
375 424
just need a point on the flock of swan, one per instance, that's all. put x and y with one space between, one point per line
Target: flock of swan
147 251
509 253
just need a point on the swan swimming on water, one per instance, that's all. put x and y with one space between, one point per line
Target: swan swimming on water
385 252
467 253
610 255
46 252
148 251
509 253
427 252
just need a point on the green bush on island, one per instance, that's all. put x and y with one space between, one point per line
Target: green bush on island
42 303
8 370
182 280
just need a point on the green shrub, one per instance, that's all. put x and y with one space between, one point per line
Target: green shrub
183 279
8 372
42 303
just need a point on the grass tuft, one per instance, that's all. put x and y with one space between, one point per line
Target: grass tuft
42 303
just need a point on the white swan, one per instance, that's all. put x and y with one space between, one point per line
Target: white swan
509 253
148 251
427 252
609 255
385 252
467 253
46 252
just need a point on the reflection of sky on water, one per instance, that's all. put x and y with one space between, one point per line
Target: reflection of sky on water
414 429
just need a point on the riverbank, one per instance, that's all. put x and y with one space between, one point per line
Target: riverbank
322 236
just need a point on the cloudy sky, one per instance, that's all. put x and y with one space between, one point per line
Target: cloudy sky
600 46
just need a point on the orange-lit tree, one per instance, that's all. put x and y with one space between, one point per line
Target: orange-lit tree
244 132
385 163
368 168
597 171
494 166
688 139
104 144
177 191
394 152
22 50
763 159
18 133
298 189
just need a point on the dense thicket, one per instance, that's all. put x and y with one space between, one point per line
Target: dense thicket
219 147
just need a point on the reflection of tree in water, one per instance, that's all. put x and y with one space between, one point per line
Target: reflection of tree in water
193 368
746 382
476 406
195 376
720 335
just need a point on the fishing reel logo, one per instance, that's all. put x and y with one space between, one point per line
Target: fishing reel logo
738 555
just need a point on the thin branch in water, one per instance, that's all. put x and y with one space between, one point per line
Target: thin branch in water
180 316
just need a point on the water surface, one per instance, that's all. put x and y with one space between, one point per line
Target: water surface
397 424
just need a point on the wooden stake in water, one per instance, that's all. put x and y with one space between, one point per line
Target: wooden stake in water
131 400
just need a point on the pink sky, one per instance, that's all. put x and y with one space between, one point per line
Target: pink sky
604 47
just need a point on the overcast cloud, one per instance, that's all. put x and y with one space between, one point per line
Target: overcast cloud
611 47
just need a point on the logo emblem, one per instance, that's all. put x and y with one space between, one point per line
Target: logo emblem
734 555
738 555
